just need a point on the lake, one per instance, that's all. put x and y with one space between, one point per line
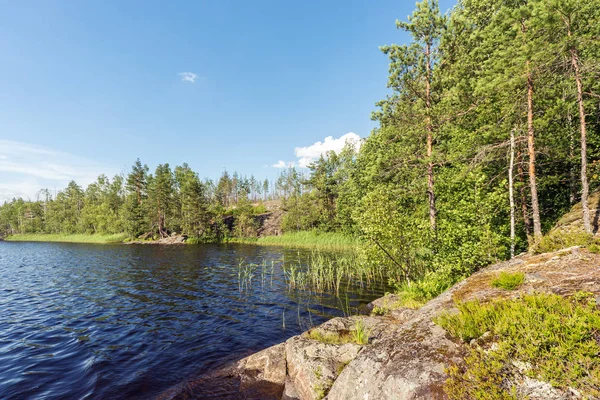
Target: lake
117 321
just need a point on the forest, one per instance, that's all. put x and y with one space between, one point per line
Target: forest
489 134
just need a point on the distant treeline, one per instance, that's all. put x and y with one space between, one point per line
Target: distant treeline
491 132
153 205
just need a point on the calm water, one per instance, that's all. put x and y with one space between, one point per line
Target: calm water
115 321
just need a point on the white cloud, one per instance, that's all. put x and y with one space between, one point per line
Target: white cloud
307 155
27 168
283 164
189 77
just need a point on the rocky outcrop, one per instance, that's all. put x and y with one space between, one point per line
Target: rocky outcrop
409 362
406 354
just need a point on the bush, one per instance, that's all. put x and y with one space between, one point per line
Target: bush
560 239
430 286
508 281
555 337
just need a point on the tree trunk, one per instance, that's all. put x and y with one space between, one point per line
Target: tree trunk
584 182
535 208
572 172
511 193
429 128
521 174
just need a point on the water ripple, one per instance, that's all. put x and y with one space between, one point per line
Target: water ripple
87 322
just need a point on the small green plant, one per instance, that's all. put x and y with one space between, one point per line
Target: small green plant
360 333
380 310
318 372
508 281
556 337
329 337
594 248
323 386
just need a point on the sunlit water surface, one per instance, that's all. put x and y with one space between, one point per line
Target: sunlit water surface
116 321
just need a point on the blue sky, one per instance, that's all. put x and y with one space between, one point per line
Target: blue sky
87 87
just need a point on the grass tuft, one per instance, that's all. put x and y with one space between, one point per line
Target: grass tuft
328 337
360 333
508 281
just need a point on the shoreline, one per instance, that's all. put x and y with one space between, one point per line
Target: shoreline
62 238
403 351
307 240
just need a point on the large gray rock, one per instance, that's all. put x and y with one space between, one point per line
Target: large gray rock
313 366
408 362
260 376
265 367
290 392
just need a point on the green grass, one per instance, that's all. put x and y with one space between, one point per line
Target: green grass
359 334
329 337
305 239
65 238
555 338
508 281
418 293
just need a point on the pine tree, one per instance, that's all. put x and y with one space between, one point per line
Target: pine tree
412 75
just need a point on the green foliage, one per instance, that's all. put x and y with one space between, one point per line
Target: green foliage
417 293
561 239
360 333
594 248
508 281
555 337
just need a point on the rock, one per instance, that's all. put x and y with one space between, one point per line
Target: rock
402 314
260 376
388 302
537 390
408 363
174 239
267 366
313 366
344 326
290 392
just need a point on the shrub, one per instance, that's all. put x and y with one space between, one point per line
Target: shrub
594 248
560 239
555 337
508 281
430 286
